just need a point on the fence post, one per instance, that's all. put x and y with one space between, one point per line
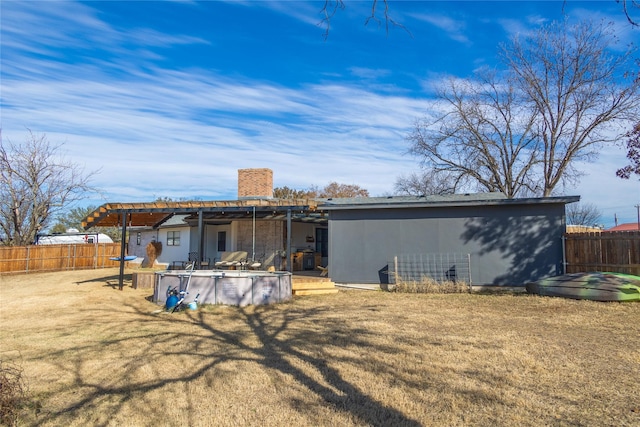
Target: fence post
395 269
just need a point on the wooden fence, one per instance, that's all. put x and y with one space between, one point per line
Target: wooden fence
37 258
611 251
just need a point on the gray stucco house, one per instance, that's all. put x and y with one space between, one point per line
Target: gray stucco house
485 238
506 241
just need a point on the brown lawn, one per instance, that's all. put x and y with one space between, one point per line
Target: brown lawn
94 355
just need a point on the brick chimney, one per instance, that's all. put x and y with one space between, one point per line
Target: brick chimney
255 183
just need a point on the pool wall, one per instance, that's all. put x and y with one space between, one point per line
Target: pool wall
239 288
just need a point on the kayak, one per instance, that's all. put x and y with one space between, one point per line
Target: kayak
595 286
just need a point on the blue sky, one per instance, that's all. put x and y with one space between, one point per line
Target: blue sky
169 99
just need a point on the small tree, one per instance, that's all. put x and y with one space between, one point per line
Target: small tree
36 182
290 193
74 217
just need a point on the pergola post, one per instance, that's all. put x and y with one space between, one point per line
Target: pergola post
289 263
123 244
200 238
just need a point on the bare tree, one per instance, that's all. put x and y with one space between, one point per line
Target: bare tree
485 135
579 88
36 182
561 99
586 214
427 182
633 154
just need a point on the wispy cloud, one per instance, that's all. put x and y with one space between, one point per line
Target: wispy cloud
163 125
454 28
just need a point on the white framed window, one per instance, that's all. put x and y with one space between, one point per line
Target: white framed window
173 238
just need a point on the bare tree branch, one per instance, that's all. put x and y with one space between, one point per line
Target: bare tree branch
562 97
633 4
586 214
331 7
579 89
36 182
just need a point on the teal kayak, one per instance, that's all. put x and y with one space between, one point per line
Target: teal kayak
594 286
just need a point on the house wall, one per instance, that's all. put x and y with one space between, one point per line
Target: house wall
146 237
509 244
174 253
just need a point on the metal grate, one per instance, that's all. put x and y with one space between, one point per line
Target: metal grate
437 266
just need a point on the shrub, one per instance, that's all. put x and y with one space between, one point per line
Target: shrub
12 393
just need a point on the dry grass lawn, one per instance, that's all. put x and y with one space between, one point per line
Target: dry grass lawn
94 355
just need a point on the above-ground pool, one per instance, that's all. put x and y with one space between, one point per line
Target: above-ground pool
232 287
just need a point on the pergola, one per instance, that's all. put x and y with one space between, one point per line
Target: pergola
153 214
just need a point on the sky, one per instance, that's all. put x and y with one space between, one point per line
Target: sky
171 98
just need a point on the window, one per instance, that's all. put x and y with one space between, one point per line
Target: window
173 238
222 241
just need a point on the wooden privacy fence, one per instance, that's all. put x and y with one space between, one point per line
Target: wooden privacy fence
608 252
35 258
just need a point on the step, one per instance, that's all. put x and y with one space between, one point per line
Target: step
315 292
313 285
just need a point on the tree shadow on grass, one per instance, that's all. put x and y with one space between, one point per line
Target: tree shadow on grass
530 247
283 348
112 281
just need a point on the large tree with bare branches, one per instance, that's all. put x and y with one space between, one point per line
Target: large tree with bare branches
36 182
562 96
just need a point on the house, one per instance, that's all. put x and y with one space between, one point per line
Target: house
484 238
282 234
629 226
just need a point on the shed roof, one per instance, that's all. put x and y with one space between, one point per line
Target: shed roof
153 214
449 200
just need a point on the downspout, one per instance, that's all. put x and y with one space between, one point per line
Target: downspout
253 247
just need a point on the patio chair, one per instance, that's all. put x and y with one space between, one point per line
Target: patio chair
231 259
323 270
